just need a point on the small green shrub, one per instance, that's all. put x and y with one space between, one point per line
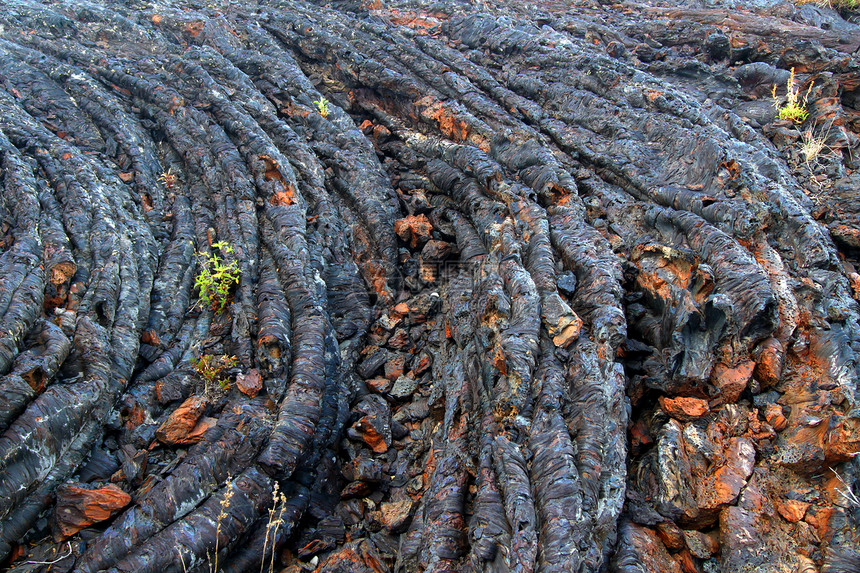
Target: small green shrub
217 278
211 368
322 106
794 108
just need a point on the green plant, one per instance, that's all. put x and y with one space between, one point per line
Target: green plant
211 368
322 106
794 108
217 278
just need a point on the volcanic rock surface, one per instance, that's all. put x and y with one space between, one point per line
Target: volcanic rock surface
524 287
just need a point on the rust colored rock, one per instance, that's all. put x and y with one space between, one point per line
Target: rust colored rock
843 439
374 427
176 429
400 340
562 323
396 515
671 535
854 279
640 436
414 229
251 383
196 434
685 559
791 509
394 367
355 489
79 507
354 557
435 251
732 381
641 546
775 417
401 309
371 435
819 519
723 485
684 408
315 546
378 385
424 363
700 544
770 356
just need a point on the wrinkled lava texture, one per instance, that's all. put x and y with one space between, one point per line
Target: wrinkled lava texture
525 287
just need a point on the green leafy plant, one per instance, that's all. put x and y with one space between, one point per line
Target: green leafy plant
323 107
211 368
217 277
794 109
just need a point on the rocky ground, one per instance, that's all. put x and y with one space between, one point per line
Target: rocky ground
521 287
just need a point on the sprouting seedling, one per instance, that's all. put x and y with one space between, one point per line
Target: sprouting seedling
794 108
168 179
322 106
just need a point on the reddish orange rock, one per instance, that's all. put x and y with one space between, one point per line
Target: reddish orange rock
854 278
356 556
700 544
686 561
422 366
414 229
79 507
723 485
395 516
792 510
394 367
402 309
819 519
370 435
644 545
671 535
249 384
355 489
683 408
378 385
135 416
775 417
182 422
732 381
843 439
196 434
769 361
